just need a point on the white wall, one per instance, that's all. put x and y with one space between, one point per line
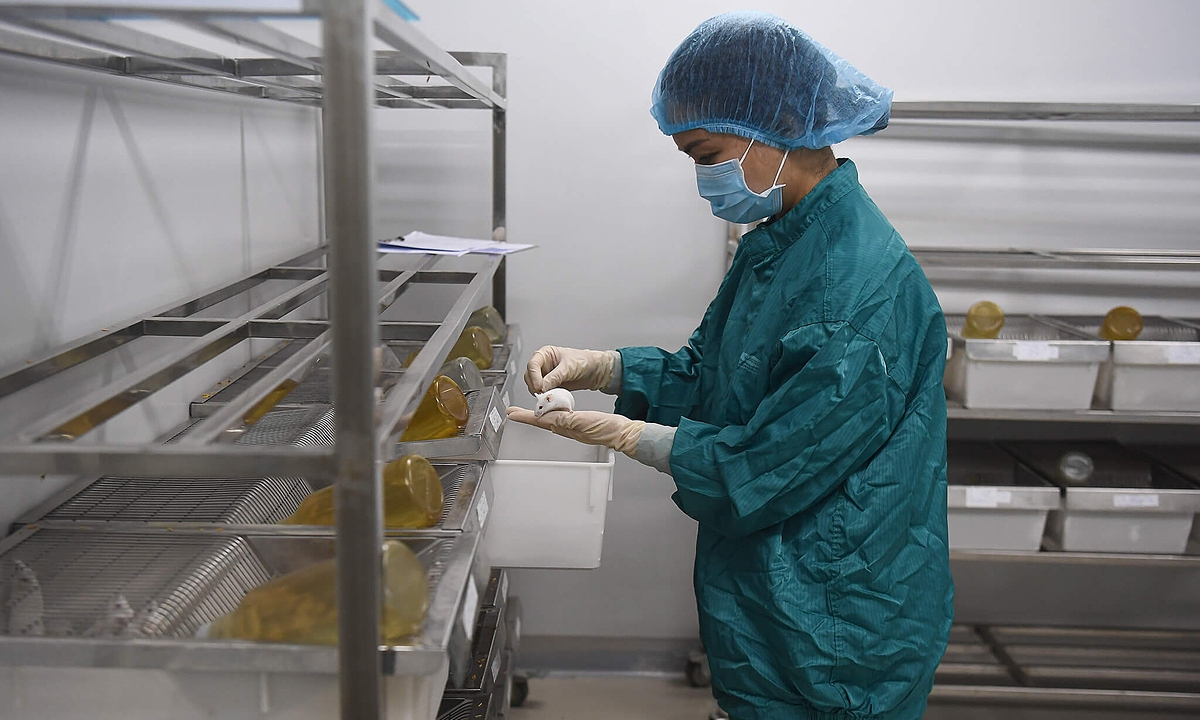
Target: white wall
118 196
613 205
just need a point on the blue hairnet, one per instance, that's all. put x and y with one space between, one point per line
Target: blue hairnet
755 75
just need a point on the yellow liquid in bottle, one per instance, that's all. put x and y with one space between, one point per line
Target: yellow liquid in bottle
301 607
442 413
473 344
984 321
488 319
1121 323
412 497
262 407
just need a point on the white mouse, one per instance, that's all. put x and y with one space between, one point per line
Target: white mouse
554 399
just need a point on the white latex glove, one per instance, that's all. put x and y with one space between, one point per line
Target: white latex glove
568 368
592 428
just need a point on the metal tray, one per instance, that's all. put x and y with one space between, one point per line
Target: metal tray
503 357
1185 460
479 440
231 501
313 425
1032 365
993 502
1131 504
317 387
1160 371
178 581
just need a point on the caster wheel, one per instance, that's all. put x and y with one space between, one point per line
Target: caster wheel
698 673
520 690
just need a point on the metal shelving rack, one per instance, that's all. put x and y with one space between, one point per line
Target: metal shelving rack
993 587
346 78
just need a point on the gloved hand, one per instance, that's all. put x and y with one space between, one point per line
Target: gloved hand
593 428
568 368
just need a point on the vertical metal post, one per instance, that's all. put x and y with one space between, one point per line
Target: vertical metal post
499 173
349 184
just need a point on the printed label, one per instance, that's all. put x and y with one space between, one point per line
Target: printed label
1183 354
470 608
506 399
1139 500
987 497
496 666
503 593
1035 351
949 347
494 419
481 510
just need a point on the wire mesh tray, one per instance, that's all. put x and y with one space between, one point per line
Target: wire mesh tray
479 440
1114 466
316 389
311 426
233 501
314 426
1026 338
504 357
84 598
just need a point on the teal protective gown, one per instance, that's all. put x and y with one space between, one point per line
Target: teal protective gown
811 450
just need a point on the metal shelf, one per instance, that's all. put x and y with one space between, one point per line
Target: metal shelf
956 412
90 37
208 449
186 579
1074 112
938 258
1061 667
1190 562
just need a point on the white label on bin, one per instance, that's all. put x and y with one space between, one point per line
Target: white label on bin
949 347
494 418
481 510
506 399
470 607
987 497
1138 500
496 666
1183 354
1035 351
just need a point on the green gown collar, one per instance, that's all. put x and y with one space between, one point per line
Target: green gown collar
776 235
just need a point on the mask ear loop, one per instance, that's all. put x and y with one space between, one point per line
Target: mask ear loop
743 158
775 183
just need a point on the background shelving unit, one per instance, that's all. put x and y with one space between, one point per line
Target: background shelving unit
346 76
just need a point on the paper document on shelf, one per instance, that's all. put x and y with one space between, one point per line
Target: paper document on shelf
420 242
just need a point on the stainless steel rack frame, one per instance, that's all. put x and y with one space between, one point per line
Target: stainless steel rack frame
346 79
1031 124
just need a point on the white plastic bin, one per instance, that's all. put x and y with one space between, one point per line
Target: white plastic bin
550 498
86 693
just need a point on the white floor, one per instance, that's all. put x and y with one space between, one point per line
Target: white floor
615 697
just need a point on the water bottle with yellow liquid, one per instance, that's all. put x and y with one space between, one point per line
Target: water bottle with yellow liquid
985 319
443 412
412 497
301 607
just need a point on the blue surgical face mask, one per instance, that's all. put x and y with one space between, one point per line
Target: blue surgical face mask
723 185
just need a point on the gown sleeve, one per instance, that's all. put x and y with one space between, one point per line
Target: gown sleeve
831 407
